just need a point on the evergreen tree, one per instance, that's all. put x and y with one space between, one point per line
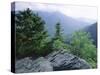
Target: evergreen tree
82 46
31 36
58 40
58 34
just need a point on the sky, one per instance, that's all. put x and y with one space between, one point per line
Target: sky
74 11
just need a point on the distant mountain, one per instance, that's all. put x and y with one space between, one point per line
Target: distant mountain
93 31
90 21
68 24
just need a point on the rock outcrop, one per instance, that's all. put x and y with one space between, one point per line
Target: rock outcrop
29 65
62 60
55 61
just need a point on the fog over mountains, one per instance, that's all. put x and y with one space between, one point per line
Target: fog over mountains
68 24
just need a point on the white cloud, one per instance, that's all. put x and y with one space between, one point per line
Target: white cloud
73 11
81 11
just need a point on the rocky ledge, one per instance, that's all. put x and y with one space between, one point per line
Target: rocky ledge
55 61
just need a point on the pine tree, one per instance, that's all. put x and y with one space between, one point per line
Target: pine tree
31 36
58 34
58 40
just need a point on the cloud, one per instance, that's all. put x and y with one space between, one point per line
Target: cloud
69 10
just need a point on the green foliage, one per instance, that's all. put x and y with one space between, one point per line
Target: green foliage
30 33
57 44
58 40
58 33
82 46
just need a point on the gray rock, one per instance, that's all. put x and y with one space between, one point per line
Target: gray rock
62 60
55 61
28 65
41 64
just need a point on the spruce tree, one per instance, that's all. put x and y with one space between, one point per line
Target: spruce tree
58 40
58 33
31 36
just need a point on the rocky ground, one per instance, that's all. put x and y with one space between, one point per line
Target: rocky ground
55 61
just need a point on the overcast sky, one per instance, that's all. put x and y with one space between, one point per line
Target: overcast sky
69 10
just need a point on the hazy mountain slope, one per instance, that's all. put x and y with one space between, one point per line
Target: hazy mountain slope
93 31
68 24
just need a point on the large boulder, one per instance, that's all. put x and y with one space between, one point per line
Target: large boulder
55 61
29 65
61 60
